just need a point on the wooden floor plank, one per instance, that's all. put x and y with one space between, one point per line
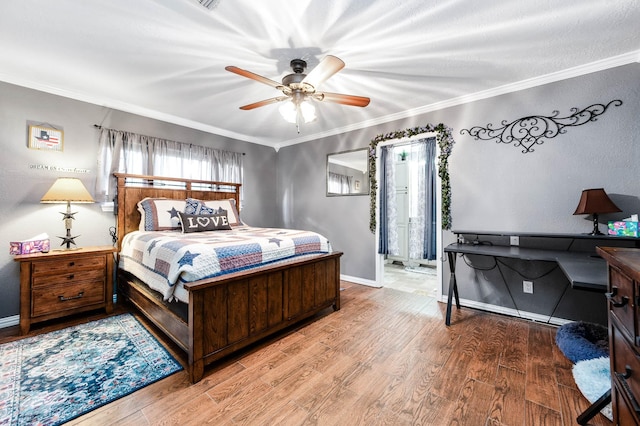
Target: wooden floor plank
515 348
539 415
508 399
472 406
542 385
483 366
572 404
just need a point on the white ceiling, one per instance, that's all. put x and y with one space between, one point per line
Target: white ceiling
165 59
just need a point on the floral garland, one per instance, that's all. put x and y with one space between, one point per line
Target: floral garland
445 142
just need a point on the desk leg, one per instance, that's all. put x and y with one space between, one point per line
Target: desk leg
453 287
594 408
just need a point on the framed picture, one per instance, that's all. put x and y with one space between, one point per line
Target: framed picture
45 138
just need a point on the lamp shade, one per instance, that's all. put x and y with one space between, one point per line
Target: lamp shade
595 201
66 190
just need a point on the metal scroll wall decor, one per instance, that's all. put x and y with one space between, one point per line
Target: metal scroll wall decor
526 132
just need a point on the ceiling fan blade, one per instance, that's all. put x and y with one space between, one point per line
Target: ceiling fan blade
325 69
359 101
263 103
253 76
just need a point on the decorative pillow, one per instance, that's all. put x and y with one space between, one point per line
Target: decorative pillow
211 207
203 222
194 206
160 214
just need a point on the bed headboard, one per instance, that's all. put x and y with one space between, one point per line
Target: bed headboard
133 188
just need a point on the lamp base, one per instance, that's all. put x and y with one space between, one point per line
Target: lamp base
68 220
68 240
596 230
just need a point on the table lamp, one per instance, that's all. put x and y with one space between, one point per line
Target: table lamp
594 202
67 190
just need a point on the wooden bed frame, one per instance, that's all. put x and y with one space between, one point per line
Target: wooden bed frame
228 312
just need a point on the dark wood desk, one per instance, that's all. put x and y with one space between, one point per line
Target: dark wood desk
584 270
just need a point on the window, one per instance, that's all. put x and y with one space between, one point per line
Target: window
126 152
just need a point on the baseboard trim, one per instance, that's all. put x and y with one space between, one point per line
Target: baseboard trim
9 321
509 311
357 280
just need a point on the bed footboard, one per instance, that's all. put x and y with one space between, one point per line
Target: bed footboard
231 312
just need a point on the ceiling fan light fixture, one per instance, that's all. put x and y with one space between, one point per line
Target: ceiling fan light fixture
308 111
289 111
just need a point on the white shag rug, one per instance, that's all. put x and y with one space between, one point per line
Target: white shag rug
593 377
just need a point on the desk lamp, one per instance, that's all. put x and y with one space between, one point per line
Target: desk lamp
67 190
595 202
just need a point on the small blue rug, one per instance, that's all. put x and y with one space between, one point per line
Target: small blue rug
52 378
580 341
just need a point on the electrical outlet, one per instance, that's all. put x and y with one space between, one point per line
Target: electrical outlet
515 240
527 287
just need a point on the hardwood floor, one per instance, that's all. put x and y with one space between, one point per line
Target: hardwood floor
386 358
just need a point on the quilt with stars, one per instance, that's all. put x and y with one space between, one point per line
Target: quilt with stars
165 260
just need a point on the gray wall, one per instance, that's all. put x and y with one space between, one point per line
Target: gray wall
495 187
304 204
21 187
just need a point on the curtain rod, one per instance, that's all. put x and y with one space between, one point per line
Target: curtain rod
99 126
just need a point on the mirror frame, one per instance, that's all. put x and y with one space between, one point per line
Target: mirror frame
365 179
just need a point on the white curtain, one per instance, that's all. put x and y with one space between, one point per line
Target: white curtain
127 152
417 200
393 246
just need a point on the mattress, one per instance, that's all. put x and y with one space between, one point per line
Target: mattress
165 260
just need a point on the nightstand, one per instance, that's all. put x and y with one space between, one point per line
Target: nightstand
64 282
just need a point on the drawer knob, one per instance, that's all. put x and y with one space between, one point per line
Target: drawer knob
72 263
78 296
615 303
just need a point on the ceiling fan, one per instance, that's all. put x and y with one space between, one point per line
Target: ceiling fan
299 88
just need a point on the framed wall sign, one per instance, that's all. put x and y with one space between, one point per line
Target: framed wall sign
45 138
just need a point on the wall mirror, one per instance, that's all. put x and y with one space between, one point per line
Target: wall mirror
348 173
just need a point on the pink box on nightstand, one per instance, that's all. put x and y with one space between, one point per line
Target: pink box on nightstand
38 244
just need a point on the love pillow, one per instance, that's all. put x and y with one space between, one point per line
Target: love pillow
203 222
194 206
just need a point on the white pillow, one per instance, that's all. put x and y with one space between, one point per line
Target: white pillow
160 214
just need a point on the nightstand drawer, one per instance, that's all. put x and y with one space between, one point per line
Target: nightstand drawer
68 277
57 298
68 265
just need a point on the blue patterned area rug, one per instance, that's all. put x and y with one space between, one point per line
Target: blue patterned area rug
54 377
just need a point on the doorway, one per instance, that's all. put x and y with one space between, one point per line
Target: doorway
408 255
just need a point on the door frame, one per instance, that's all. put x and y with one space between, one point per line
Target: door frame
379 263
